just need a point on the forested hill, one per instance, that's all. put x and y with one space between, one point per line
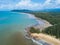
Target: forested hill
43 10
54 19
24 10
53 30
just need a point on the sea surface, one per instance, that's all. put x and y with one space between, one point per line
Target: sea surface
12 26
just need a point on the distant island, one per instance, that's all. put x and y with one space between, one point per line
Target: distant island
44 10
24 10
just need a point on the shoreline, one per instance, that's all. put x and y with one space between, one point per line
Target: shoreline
28 36
47 24
47 38
41 22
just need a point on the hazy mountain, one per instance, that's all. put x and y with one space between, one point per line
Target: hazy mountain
50 10
44 10
24 10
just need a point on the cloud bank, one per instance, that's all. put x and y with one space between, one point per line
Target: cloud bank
28 4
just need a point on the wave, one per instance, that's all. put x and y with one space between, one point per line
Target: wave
38 43
31 16
41 42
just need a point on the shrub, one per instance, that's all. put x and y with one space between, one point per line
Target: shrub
33 30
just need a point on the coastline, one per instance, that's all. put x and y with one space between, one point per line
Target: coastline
47 38
54 41
40 22
28 36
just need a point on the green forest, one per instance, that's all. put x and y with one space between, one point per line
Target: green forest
54 19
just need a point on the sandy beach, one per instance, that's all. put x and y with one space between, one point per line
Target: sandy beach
42 26
47 38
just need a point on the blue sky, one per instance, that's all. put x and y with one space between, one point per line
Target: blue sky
29 4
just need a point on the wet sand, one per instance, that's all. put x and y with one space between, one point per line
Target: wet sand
47 38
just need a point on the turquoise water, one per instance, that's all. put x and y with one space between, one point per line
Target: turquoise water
12 27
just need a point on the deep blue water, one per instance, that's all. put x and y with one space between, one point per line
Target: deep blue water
11 23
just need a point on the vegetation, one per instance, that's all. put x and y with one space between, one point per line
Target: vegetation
33 30
24 10
53 30
54 19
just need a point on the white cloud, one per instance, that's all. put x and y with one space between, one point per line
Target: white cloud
47 2
58 1
28 4
51 4
7 7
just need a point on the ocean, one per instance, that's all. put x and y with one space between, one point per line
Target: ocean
12 26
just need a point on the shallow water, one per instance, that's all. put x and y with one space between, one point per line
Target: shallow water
12 27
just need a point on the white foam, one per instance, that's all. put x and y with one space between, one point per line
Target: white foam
38 43
31 16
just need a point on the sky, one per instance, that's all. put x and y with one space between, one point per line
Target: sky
29 4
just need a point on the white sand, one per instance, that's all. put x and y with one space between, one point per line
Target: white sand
42 26
47 38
